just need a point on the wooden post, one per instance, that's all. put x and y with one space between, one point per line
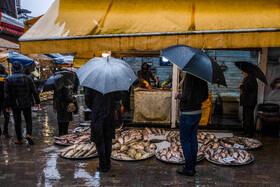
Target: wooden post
262 61
262 64
174 105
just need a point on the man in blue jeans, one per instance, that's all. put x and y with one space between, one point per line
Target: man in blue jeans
194 93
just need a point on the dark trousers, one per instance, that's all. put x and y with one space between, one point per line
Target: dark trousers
63 128
102 132
28 120
248 120
6 122
188 138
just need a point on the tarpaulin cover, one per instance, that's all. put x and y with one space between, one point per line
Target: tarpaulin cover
16 57
8 7
71 26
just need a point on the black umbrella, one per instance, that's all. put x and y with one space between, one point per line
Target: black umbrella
195 62
58 80
252 70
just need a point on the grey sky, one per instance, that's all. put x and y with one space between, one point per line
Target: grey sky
37 7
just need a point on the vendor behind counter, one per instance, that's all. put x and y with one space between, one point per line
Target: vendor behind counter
145 76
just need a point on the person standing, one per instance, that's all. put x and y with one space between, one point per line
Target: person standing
194 93
145 76
19 90
2 108
61 99
102 123
248 99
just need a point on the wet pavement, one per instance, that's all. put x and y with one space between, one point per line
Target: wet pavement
40 165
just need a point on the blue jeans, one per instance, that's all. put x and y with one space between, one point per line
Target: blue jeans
188 138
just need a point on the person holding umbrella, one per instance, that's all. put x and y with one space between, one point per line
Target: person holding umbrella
249 93
104 79
248 99
194 93
103 123
200 69
61 99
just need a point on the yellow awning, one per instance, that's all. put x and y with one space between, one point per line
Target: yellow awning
93 26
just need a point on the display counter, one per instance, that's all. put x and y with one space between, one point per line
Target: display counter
152 106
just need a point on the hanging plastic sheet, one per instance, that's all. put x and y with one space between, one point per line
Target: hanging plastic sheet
16 57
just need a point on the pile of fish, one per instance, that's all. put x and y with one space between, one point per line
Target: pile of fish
85 123
70 139
82 130
228 156
155 131
174 153
204 137
133 151
130 136
212 144
173 136
239 142
79 151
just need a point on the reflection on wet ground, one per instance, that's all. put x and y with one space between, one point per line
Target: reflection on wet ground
40 165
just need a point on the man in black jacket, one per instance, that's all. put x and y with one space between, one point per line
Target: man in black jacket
2 108
248 99
19 92
102 123
194 93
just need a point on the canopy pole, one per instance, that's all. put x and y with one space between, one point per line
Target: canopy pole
174 103
262 61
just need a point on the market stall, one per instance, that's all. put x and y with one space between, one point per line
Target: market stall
244 25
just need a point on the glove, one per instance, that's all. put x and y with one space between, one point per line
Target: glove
163 84
146 84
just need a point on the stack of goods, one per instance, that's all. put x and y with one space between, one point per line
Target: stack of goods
204 137
128 137
82 130
79 151
211 144
70 139
174 153
132 145
133 151
155 131
227 156
84 123
240 143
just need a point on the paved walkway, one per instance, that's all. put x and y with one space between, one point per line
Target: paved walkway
40 165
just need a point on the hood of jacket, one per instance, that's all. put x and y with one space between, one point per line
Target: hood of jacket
17 67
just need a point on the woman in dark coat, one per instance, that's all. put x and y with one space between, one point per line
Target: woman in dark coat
102 123
248 99
61 99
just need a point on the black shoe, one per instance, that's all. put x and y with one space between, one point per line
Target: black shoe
29 139
184 171
102 169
